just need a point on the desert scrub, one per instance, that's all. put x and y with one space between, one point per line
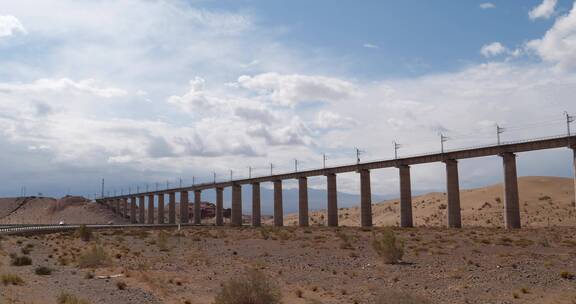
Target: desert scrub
162 241
43 270
11 279
396 297
66 298
390 249
84 233
567 275
254 288
20 260
93 258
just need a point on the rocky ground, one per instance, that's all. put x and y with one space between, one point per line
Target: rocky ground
311 265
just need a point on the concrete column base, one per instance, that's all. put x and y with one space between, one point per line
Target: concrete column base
453 194
142 210
332 193
151 209
303 202
278 209
219 206
171 208
197 207
365 199
184 207
133 207
161 208
236 205
511 197
405 197
256 213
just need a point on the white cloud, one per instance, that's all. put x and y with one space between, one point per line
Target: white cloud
329 120
370 45
558 46
487 5
544 10
9 25
88 86
289 90
493 49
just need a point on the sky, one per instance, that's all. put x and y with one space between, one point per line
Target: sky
144 93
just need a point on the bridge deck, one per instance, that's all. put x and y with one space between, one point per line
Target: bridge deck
489 150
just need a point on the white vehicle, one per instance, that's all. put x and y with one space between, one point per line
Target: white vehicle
61 223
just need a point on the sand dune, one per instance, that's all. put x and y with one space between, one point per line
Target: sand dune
544 201
43 210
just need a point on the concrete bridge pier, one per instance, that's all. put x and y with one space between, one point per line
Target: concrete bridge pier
453 194
219 206
278 209
151 208
573 147
142 210
236 205
256 212
133 210
332 200
161 208
365 199
511 198
124 207
197 207
172 208
303 202
405 197
183 207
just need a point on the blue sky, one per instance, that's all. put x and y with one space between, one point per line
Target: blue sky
140 92
413 37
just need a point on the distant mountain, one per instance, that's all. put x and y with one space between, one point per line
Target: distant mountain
316 199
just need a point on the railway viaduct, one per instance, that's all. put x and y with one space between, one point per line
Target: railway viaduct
132 204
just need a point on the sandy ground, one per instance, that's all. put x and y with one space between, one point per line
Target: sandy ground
544 201
71 210
472 265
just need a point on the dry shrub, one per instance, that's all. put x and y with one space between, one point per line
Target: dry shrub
397 297
43 270
11 279
84 233
20 260
66 298
93 258
252 288
388 247
162 241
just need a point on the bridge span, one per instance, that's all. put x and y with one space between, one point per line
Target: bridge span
130 205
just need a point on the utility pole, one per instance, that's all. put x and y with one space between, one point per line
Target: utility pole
167 185
443 139
396 147
231 175
214 173
193 180
102 194
271 167
295 165
569 119
180 182
249 172
129 190
499 131
324 160
358 152
157 186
